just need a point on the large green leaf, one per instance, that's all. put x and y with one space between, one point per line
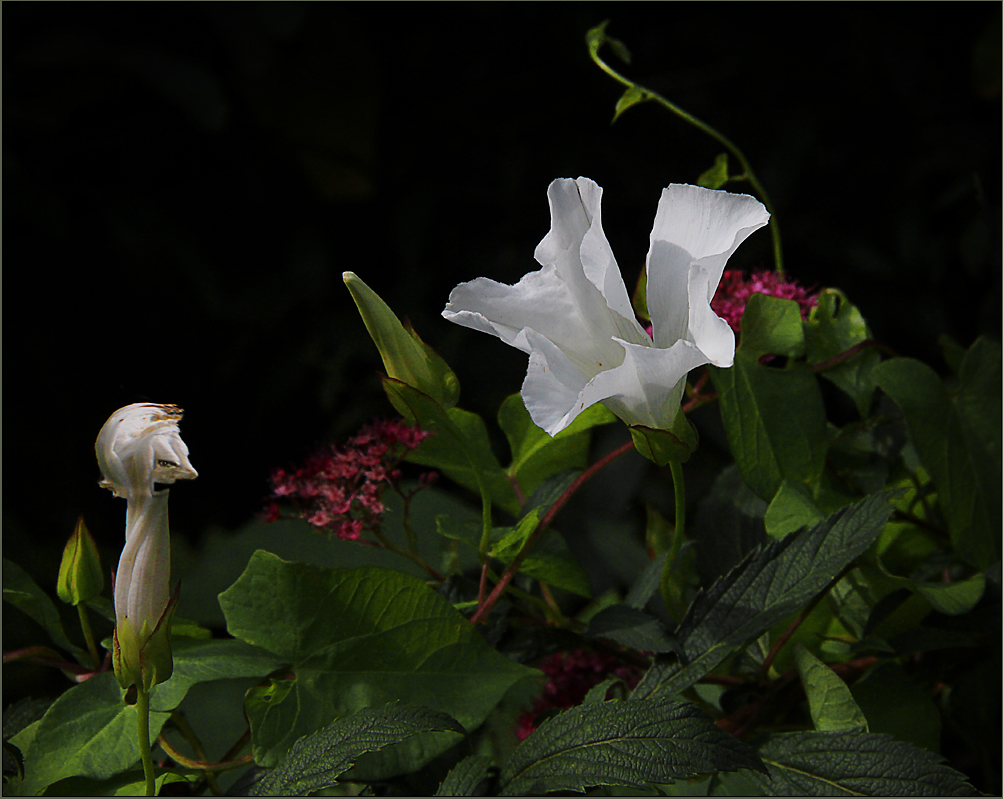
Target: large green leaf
772 582
957 438
774 417
89 731
834 326
318 759
23 593
622 743
536 455
854 764
358 638
465 776
459 447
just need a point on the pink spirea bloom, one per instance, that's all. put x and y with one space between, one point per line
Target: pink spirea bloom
734 290
339 489
572 675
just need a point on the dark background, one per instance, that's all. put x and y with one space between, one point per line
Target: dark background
185 183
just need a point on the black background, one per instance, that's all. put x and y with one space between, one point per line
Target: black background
185 183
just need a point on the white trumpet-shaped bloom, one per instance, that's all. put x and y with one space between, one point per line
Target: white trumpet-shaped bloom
574 318
139 448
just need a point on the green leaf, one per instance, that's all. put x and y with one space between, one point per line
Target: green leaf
854 764
717 175
830 701
957 439
632 96
895 704
537 455
772 582
466 777
953 599
623 743
317 760
359 638
834 326
774 417
129 783
460 447
549 560
791 509
24 594
632 628
89 731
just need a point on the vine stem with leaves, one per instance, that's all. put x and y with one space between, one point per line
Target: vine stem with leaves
636 93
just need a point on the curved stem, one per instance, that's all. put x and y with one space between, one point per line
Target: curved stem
143 731
199 765
648 94
513 567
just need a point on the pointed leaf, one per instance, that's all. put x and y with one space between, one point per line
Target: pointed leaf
24 594
774 417
622 743
632 628
632 96
460 447
717 175
770 584
830 701
854 764
465 777
957 439
317 760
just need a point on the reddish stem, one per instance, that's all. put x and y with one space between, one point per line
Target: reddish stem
485 607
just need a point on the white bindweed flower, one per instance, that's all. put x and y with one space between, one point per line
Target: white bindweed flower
574 318
139 449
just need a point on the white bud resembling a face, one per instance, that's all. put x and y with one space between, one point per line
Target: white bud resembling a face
139 450
140 445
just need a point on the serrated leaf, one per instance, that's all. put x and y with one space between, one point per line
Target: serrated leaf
459 447
358 638
829 700
772 582
621 743
465 777
774 418
317 760
957 439
854 764
632 628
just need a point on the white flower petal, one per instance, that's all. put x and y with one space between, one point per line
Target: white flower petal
694 225
552 386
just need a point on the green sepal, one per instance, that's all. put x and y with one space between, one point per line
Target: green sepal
405 356
145 660
663 446
80 574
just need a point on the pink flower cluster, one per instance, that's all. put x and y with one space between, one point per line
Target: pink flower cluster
735 289
572 675
339 489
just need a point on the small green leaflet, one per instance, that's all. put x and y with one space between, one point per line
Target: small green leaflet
465 777
830 701
622 743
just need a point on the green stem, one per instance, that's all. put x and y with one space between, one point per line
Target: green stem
143 730
679 490
749 175
85 625
414 557
513 567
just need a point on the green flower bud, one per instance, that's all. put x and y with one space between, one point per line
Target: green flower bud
80 574
405 356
